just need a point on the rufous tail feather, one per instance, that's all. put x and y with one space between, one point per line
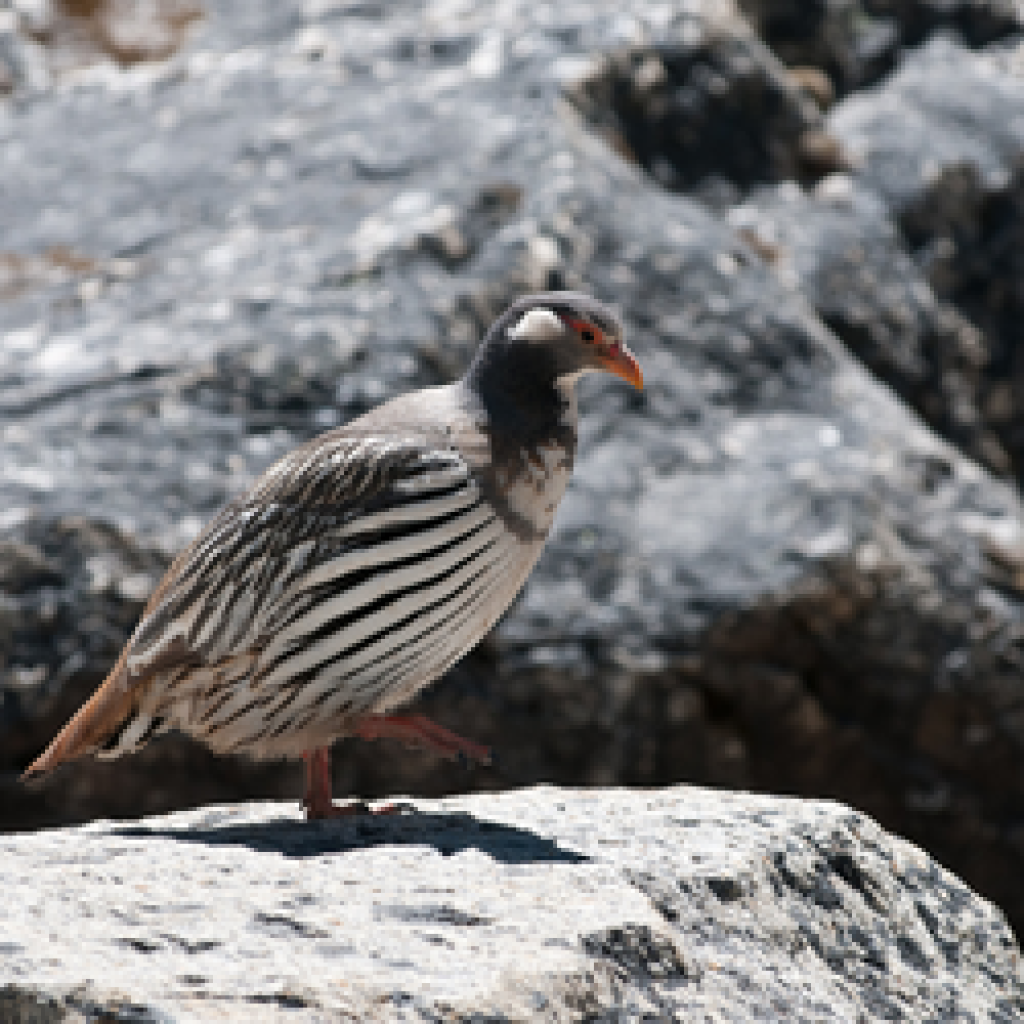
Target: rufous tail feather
107 710
94 723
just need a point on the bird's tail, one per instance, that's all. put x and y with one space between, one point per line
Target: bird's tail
98 724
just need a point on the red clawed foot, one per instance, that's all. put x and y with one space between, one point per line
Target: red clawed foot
419 731
317 799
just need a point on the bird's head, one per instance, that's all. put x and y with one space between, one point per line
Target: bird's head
553 338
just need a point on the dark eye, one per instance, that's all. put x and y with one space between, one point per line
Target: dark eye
587 335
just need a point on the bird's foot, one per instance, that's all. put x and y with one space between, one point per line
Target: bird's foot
321 811
317 800
420 731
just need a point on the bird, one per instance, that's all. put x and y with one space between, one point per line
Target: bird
363 564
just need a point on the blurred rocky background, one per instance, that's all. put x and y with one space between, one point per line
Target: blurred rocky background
794 563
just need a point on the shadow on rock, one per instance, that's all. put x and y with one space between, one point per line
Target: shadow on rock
446 833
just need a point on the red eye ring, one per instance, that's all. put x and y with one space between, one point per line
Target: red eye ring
586 331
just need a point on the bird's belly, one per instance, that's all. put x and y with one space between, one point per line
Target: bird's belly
498 589
337 679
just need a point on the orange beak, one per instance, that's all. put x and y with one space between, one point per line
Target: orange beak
620 361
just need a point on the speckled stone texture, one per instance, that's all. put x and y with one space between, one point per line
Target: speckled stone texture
541 904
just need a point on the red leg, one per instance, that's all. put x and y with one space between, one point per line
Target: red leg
317 799
420 731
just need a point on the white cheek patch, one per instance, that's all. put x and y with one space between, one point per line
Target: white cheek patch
539 325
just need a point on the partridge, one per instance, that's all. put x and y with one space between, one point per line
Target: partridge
363 564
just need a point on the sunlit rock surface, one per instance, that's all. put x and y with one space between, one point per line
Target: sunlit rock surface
542 904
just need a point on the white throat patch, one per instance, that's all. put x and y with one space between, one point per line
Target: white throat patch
539 325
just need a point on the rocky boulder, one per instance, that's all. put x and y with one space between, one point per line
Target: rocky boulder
838 247
853 43
542 904
944 153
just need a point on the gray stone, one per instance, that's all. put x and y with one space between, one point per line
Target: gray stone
856 42
838 246
704 107
23 63
909 131
942 143
542 904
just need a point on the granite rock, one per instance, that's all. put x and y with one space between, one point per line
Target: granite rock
705 108
944 152
839 248
542 904
856 42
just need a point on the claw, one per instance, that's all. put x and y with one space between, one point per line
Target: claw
317 800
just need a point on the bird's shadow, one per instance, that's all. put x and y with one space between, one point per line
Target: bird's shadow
446 833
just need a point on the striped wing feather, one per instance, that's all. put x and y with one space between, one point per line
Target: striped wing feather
356 570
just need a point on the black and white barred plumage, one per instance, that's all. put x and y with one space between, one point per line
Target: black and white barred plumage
351 576
366 562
